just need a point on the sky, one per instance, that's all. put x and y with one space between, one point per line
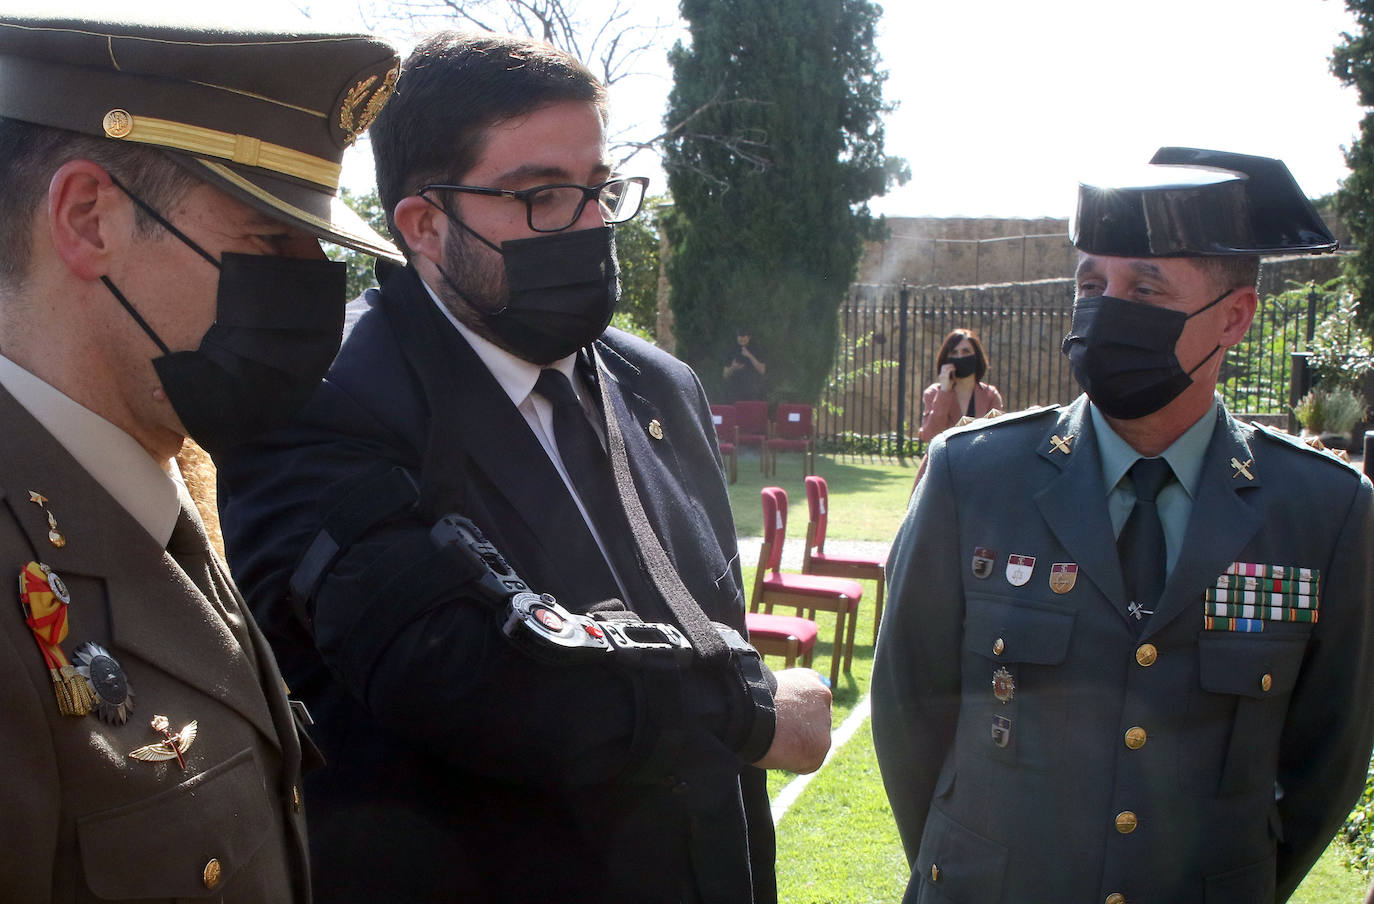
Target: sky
1003 104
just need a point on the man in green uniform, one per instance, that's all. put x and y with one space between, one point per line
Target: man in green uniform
1128 654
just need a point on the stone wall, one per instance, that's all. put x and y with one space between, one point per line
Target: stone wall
926 251
972 251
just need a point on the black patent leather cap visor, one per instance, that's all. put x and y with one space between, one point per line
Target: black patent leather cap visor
1191 202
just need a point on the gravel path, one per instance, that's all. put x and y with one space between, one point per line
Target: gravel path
792 550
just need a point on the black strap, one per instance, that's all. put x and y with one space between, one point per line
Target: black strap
379 494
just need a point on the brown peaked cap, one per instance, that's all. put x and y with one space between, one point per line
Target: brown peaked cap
263 115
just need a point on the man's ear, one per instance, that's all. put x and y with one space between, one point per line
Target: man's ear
1240 311
89 218
422 226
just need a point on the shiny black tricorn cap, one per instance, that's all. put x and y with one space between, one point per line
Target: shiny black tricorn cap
1193 202
263 115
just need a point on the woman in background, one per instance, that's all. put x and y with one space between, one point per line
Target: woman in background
960 389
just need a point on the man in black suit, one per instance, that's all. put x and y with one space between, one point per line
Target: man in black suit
461 765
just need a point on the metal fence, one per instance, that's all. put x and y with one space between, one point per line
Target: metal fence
890 337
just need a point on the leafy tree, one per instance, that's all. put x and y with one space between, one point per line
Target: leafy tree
637 249
1352 62
778 147
367 206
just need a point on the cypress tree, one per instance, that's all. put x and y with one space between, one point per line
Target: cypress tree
775 147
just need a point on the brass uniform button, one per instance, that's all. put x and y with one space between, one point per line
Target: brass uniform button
295 797
211 874
1126 822
655 429
1146 654
998 646
934 872
1115 897
1135 737
1266 682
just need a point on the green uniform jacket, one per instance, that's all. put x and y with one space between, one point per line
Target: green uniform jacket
82 821
1177 764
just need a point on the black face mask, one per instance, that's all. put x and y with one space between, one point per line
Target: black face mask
278 322
964 366
1122 354
563 288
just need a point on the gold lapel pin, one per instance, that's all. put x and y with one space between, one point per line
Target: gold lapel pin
172 746
54 535
1242 468
1060 444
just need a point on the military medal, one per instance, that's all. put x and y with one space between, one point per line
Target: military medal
1019 569
54 535
1003 685
1001 731
110 690
1063 575
172 746
44 598
983 559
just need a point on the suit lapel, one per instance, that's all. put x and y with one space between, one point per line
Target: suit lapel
476 417
155 613
1225 517
1073 502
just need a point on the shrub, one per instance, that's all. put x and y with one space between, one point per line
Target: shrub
1342 352
1330 411
1358 831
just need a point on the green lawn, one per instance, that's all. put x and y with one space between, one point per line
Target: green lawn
867 500
838 844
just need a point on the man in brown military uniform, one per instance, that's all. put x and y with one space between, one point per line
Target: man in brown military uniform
163 191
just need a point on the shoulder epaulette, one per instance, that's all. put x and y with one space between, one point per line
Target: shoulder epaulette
1010 417
1312 446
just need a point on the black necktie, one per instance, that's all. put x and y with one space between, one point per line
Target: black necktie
589 469
1144 559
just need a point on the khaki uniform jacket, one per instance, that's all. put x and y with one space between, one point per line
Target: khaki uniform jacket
82 821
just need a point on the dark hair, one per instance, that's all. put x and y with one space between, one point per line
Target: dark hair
953 339
30 155
1231 271
453 87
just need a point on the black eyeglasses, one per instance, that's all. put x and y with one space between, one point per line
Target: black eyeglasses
553 208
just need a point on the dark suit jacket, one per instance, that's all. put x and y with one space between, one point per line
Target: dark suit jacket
472 766
1231 721
82 820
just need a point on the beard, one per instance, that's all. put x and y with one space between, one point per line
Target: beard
474 283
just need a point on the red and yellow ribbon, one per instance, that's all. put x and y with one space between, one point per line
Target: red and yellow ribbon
46 615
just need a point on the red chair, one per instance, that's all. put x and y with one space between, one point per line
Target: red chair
752 420
723 416
782 635
791 433
773 587
815 561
